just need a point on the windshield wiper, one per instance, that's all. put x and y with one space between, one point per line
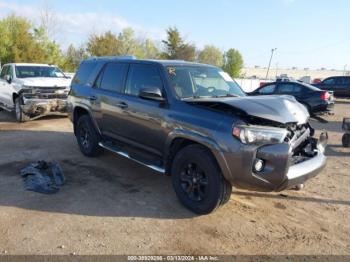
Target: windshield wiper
227 95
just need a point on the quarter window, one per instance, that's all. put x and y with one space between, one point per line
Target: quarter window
143 76
84 72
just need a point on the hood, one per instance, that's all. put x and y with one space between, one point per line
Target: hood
281 109
46 82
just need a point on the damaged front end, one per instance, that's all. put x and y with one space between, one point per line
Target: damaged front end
42 101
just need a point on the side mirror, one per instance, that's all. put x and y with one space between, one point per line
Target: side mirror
151 93
8 78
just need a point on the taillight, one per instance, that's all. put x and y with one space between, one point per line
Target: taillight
325 96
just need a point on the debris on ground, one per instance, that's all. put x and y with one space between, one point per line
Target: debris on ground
43 177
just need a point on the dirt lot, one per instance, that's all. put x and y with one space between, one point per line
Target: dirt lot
111 205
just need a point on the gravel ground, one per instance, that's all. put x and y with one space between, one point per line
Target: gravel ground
111 205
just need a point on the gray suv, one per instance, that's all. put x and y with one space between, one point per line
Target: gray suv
193 122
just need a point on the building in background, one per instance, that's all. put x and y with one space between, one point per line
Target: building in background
296 73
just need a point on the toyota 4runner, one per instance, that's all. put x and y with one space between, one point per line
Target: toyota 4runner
193 122
33 90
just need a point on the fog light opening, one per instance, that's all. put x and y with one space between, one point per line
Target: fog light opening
258 165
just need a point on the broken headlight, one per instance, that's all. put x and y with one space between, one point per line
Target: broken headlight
259 134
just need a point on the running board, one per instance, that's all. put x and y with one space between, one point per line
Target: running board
125 154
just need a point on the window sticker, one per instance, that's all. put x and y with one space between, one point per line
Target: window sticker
172 71
226 76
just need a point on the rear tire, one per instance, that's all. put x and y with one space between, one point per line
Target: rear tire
197 180
20 116
87 137
346 140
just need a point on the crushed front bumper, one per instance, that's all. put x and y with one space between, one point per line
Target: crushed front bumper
281 169
35 108
299 173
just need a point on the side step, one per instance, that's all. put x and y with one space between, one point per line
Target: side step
116 150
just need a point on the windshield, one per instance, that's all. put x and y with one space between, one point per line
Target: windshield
38 71
201 81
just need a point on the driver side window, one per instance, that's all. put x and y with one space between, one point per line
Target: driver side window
4 72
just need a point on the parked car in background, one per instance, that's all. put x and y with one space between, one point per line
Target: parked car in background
317 101
33 90
340 85
193 122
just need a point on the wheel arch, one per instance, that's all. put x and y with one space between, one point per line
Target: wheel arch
179 139
79 111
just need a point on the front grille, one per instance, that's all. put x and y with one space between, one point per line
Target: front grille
302 143
47 93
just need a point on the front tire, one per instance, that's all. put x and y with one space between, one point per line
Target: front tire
197 180
20 116
346 140
87 137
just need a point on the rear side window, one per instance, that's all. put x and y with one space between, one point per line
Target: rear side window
112 77
289 89
143 76
84 72
329 81
269 89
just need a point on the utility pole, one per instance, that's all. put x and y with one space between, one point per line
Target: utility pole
276 70
268 69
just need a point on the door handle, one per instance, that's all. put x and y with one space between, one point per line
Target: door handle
122 105
92 98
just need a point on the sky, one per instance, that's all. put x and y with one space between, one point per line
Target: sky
306 33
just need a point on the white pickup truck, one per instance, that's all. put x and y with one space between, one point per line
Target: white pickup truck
33 90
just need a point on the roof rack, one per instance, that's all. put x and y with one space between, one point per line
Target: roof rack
125 57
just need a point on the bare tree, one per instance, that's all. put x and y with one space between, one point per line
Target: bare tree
48 19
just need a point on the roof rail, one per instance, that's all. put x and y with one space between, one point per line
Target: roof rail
130 57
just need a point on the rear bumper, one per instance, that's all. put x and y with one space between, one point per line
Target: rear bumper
326 108
41 107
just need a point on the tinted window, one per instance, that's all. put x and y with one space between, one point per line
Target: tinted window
4 71
269 89
113 77
10 71
329 81
289 88
347 81
143 76
84 72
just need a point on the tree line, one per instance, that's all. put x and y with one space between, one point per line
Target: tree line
20 41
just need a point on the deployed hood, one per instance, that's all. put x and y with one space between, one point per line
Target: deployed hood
281 109
45 82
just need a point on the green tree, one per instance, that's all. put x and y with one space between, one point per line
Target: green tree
20 42
128 44
72 58
149 50
103 45
176 48
17 41
211 55
233 62
51 50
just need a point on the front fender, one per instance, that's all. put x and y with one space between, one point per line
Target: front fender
202 139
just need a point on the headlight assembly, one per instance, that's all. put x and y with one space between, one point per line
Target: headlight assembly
259 134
